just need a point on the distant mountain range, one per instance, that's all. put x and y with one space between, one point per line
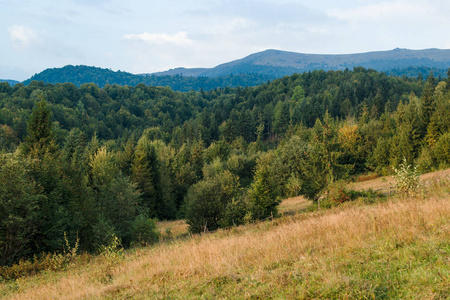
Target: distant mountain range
258 68
79 75
10 81
279 63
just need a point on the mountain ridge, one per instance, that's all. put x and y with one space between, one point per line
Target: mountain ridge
287 62
10 81
258 68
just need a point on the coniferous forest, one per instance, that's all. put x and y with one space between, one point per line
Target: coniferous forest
91 164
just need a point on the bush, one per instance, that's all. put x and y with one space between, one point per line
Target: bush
237 212
207 200
425 161
406 179
441 150
144 231
337 194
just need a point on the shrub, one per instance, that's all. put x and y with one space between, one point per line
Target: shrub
425 160
337 194
441 150
406 179
144 231
207 200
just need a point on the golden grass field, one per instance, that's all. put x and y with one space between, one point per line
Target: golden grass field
397 248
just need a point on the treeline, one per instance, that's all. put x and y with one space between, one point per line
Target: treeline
418 72
94 163
80 75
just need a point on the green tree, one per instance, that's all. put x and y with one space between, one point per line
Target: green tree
19 200
117 201
326 147
406 140
428 100
264 193
282 118
206 201
146 175
40 136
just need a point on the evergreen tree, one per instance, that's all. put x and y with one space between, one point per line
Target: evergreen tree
428 100
40 138
282 118
146 176
264 194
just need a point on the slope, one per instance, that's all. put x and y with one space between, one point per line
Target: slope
279 63
394 249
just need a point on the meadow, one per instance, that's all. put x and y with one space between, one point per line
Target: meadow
396 248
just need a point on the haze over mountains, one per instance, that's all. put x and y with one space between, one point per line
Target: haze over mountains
257 68
280 63
10 81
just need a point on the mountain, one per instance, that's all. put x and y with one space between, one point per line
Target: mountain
10 81
181 71
79 75
258 68
279 63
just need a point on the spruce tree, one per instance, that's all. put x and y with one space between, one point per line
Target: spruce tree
428 100
40 138
145 174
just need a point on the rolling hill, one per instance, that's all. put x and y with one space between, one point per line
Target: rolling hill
79 75
279 63
393 249
257 68
10 81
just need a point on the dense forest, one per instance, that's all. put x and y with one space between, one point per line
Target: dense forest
79 75
96 163
244 76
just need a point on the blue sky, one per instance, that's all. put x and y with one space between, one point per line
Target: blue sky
140 36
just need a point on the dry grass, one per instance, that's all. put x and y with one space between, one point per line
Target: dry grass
176 228
293 205
383 183
395 249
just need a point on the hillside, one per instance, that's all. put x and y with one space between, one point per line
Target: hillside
258 68
79 75
92 165
9 81
279 63
397 248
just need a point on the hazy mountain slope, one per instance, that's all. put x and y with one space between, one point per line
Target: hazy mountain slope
10 81
280 63
257 68
79 75
180 71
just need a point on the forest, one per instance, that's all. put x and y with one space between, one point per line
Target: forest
79 75
90 164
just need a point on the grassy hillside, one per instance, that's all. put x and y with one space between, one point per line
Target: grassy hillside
398 248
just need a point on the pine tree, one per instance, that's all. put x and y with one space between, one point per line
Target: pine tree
40 138
428 100
264 192
145 174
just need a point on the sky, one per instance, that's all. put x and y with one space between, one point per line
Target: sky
145 36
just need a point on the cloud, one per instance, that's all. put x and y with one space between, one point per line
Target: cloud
379 12
22 36
179 39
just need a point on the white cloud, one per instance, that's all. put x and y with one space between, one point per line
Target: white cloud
383 11
178 39
22 36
